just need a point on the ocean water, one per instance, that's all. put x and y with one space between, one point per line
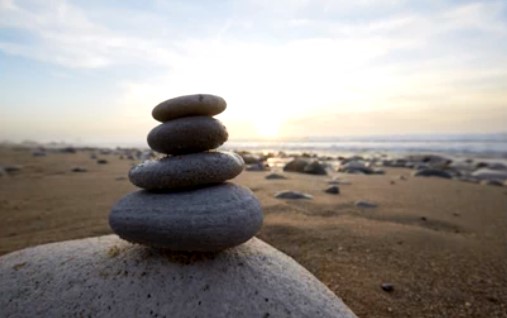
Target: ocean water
482 146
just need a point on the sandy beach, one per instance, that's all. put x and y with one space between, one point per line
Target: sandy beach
441 243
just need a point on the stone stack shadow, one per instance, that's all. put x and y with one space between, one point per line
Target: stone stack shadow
186 204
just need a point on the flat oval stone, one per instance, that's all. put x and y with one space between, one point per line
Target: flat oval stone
184 171
187 135
189 105
205 219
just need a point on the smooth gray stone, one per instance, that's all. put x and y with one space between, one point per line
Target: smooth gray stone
187 135
387 287
497 166
275 176
108 277
189 105
260 166
79 169
432 173
316 168
362 204
249 158
12 168
467 179
293 195
338 182
183 171
355 167
490 174
496 183
303 165
39 153
429 159
205 219
296 165
332 189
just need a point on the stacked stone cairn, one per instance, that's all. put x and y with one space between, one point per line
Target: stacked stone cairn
186 203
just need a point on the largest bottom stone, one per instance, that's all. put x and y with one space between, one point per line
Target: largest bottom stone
206 219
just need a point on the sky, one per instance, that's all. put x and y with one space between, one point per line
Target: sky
91 71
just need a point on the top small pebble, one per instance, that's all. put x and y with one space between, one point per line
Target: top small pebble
189 105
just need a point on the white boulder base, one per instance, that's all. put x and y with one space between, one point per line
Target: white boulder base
108 277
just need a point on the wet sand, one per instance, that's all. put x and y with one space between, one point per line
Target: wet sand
441 243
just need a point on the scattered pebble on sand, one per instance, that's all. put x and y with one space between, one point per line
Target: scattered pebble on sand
316 168
303 165
259 166
490 174
293 195
432 173
275 176
355 167
387 287
339 182
249 158
363 204
39 154
332 189
12 168
102 161
496 183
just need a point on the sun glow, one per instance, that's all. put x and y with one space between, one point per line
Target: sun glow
267 128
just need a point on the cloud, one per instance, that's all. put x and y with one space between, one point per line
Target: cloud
72 36
282 59
64 35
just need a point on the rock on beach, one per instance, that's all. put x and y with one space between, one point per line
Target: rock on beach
187 135
363 204
432 173
490 174
275 176
177 172
302 165
332 189
296 165
293 195
108 277
203 219
189 105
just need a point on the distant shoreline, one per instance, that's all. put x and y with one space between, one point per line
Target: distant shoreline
461 146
